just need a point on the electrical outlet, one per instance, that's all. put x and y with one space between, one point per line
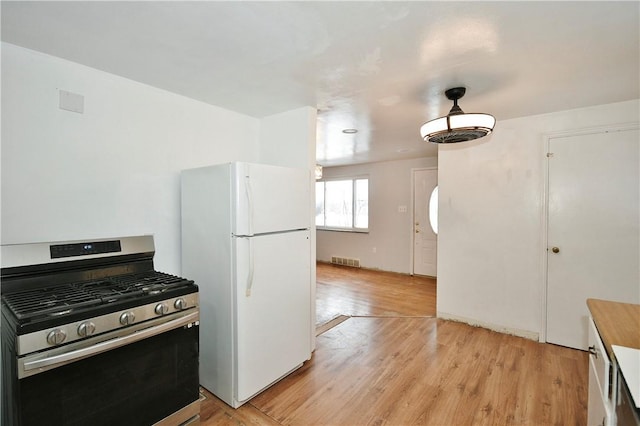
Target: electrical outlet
402 209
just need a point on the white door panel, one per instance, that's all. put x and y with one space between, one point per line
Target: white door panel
270 198
594 224
273 319
425 241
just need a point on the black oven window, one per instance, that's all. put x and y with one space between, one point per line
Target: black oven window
138 384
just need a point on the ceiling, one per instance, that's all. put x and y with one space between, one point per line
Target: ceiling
380 67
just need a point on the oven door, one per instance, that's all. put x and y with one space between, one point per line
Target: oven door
139 383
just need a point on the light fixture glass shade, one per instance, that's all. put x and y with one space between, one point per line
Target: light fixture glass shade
460 121
457 128
433 126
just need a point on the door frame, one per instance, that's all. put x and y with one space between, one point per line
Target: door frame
413 213
547 137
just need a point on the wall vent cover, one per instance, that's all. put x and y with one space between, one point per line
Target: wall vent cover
345 261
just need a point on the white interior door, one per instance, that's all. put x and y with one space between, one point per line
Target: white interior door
425 241
593 229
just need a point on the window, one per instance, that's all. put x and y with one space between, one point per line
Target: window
433 210
343 204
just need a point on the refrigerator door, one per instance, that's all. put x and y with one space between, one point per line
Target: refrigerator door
269 198
273 315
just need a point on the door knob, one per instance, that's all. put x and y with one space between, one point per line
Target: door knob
555 250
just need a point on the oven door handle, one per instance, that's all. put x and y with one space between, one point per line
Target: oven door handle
68 357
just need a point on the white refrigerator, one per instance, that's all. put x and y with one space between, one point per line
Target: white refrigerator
245 242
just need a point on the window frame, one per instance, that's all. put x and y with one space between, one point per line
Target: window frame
353 180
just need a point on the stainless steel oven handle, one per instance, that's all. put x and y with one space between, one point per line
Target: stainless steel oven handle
111 344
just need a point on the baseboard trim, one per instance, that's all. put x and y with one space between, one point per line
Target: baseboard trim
366 268
531 335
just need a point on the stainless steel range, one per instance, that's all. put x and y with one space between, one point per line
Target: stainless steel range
92 334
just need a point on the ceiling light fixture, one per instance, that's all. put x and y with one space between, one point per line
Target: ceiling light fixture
457 126
350 131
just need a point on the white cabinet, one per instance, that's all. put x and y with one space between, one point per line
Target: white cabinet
601 382
597 408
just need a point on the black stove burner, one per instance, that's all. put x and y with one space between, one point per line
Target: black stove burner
151 283
67 298
48 301
108 291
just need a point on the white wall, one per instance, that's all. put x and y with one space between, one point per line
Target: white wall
491 247
390 232
289 139
113 170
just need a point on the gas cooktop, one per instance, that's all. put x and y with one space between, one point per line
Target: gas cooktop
32 304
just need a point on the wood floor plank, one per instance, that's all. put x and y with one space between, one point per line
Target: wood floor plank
214 412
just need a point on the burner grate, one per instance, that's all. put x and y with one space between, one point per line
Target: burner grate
152 282
63 299
48 301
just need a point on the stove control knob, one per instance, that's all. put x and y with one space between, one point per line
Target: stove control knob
86 329
127 318
55 337
180 304
162 308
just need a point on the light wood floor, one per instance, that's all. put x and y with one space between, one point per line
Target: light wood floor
391 364
356 292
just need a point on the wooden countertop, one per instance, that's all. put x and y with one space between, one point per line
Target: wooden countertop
618 323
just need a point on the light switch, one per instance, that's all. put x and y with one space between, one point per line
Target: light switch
71 101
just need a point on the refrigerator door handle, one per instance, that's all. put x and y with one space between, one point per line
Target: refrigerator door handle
250 275
247 189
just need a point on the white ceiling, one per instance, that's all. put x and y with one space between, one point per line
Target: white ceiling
379 67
